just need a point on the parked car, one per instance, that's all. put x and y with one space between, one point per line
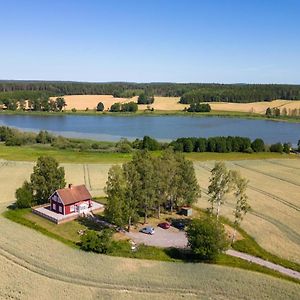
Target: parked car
179 224
148 230
164 225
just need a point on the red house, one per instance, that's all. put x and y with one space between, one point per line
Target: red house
74 199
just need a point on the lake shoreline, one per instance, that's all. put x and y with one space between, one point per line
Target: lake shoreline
162 113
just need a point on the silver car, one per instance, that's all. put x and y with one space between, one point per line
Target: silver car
148 230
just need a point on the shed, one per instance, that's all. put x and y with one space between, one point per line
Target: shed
186 211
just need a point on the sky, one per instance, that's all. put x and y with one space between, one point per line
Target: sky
225 41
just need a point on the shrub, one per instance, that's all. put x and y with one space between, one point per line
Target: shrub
248 150
74 110
207 238
116 107
130 107
44 137
145 99
24 196
258 145
98 242
276 148
287 148
95 146
198 107
124 146
149 144
100 106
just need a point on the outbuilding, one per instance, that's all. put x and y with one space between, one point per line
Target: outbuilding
186 211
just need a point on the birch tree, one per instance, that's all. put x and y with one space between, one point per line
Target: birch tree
241 206
220 185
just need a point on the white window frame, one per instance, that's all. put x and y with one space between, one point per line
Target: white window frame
60 209
72 208
54 206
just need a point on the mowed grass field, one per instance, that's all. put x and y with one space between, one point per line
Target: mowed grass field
59 271
81 102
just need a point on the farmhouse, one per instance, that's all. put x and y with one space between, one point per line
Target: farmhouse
70 200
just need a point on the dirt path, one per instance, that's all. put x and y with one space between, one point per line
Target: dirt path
264 263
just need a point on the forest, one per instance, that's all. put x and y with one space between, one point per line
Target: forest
189 92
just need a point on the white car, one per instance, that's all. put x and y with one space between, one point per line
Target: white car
148 230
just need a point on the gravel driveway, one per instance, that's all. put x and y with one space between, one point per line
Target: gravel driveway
165 238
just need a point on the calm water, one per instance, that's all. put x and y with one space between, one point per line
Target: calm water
112 128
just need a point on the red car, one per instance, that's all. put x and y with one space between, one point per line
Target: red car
164 225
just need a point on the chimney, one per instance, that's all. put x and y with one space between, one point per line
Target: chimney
70 185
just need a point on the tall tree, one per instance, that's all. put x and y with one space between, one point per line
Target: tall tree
47 177
116 196
188 189
132 196
100 106
220 185
241 206
207 238
144 166
60 103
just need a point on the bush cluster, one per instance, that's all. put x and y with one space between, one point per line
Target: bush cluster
198 107
145 99
124 107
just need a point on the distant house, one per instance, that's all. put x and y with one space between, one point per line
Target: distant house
74 199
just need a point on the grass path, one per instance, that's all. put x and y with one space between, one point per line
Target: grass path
264 263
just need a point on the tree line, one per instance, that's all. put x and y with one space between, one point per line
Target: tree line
227 144
284 112
241 93
40 103
189 92
222 144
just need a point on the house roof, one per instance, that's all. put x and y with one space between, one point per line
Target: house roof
74 194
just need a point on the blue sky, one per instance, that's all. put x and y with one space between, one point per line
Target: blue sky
229 41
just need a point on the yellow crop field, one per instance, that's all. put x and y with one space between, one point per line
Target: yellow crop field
274 190
58 271
27 256
81 102
274 197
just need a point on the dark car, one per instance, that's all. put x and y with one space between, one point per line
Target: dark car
164 225
178 224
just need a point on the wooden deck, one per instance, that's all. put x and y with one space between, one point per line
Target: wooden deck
45 212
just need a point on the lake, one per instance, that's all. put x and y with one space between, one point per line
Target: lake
163 128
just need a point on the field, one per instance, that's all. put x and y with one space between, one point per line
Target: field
31 153
27 256
274 188
81 102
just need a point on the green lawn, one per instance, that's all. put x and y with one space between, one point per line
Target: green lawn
31 153
66 230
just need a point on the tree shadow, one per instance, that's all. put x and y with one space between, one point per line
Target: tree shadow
92 223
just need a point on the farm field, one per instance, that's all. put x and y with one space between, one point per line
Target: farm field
274 197
273 191
27 256
81 102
